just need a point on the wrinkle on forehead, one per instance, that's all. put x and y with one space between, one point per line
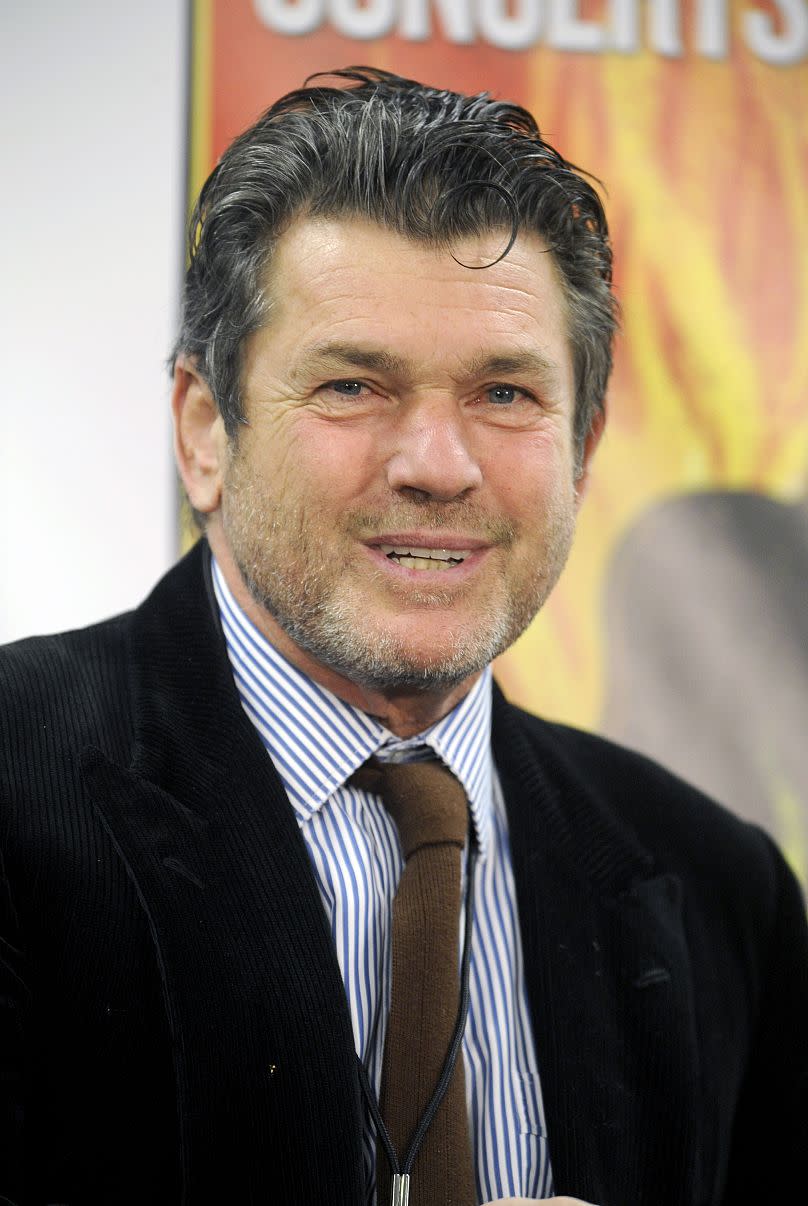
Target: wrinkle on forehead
355 295
330 245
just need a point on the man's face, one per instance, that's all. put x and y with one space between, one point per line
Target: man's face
403 497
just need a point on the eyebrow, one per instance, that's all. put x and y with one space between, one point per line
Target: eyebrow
349 355
533 364
353 356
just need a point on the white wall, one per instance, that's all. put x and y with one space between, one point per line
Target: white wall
93 101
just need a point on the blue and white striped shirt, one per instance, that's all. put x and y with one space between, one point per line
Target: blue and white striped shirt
316 742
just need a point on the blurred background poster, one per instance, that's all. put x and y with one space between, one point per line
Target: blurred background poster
681 623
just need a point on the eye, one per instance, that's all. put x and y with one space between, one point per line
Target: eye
348 388
502 394
505 395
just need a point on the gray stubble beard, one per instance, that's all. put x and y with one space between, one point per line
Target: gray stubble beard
304 599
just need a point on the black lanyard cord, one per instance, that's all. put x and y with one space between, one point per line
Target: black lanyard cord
451 1055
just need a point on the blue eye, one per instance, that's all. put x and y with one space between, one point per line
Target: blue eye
502 394
351 389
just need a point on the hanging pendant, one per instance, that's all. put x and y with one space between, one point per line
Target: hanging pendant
401 1189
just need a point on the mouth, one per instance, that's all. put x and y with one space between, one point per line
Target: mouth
421 558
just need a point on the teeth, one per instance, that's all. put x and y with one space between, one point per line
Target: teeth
422 558
421 563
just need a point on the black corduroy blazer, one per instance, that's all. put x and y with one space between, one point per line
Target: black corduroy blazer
173 1025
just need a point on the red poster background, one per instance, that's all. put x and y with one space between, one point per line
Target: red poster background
705 163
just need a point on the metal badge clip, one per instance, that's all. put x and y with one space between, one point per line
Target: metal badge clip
401 1189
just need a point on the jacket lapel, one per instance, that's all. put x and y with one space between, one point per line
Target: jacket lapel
260 1025
609 983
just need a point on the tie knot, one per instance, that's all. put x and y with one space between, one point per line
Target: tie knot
426 801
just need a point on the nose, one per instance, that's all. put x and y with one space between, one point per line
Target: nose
432 453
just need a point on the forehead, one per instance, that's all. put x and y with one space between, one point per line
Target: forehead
352 280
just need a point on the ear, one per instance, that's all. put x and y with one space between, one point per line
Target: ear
591 442
200 440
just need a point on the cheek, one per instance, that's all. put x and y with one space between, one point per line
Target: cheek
335 460
528 475
276 461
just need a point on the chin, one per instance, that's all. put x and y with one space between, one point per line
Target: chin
410 677
384 660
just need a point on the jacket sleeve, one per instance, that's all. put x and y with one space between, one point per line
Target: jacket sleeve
769 1155
13 1006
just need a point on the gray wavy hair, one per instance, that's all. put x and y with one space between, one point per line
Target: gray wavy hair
427 163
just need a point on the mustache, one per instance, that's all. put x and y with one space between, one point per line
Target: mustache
466 517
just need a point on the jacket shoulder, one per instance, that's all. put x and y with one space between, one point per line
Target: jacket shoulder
688 834
65 689
617 774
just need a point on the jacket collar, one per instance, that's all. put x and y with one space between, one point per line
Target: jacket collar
567 814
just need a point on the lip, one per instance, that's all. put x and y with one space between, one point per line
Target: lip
428 540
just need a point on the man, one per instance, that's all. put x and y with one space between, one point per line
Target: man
388 389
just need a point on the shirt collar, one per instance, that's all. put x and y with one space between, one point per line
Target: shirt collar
317 741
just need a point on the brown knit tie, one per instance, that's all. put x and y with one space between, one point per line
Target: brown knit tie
429 808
